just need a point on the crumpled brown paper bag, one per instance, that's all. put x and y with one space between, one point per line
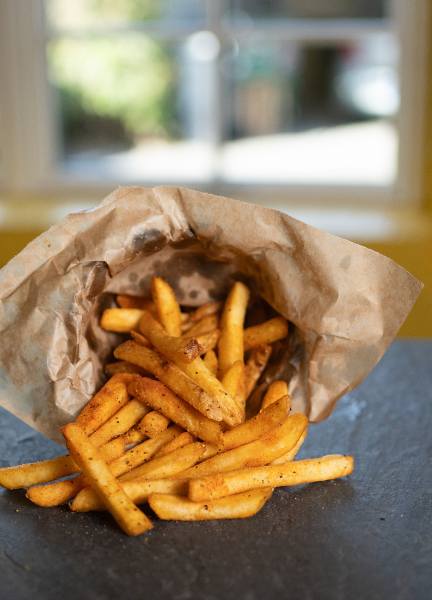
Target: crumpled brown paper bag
346 302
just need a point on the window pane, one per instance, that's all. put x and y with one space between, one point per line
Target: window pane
298 9
132 108
85 13
302 113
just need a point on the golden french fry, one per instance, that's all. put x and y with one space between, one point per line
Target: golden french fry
211 362
232 322
120 320
169 464
291 454
108 400
265 333
167 306
120 422
292 473
255 366
121 366
23 476
262 451
208 341
206 324
234 383
153 424
59 492
177 508
210 308
139 338
87 456
127 301
143 452
159 397
276 390
185 349
172 376
181 440
138 491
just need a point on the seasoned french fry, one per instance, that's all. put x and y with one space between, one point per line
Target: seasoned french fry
271 445
172 376
292 473
159 397
120 320
184 349
232 321
87 456
120 422
276 390
59 492
121 366
153 424
138 491
127 301
142 452
167 306
265 333
169 464
233 382
211 362
291 454
23 476
177 508
205 325
255 366
108 400
208 341
181 440
139 338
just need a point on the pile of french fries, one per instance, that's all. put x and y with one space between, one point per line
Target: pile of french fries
169 426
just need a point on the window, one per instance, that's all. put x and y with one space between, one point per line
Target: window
287 96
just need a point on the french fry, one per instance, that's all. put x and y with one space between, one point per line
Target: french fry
205 325
210 308
208 341
22 476
184 349
169 464
153 424
262 451
181 440
172 376
138 491
232 321
291 454
142 452
87 456
265 333
121 366
59 492
120 320
108 400
127 301
292 473
177 508
159 397
139 338
276 390
167 306
211 362
255 366
233 382
119 423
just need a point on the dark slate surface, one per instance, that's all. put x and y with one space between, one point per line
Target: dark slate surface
368 536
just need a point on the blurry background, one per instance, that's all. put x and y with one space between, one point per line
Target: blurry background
319 108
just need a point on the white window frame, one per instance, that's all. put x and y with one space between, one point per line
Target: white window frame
27 129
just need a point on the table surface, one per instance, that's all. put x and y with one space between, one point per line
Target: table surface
368 536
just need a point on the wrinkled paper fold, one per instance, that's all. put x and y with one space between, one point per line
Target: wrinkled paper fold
345 302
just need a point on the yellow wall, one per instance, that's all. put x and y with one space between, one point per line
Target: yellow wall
414 255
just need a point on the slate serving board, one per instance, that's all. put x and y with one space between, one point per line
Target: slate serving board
369 536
